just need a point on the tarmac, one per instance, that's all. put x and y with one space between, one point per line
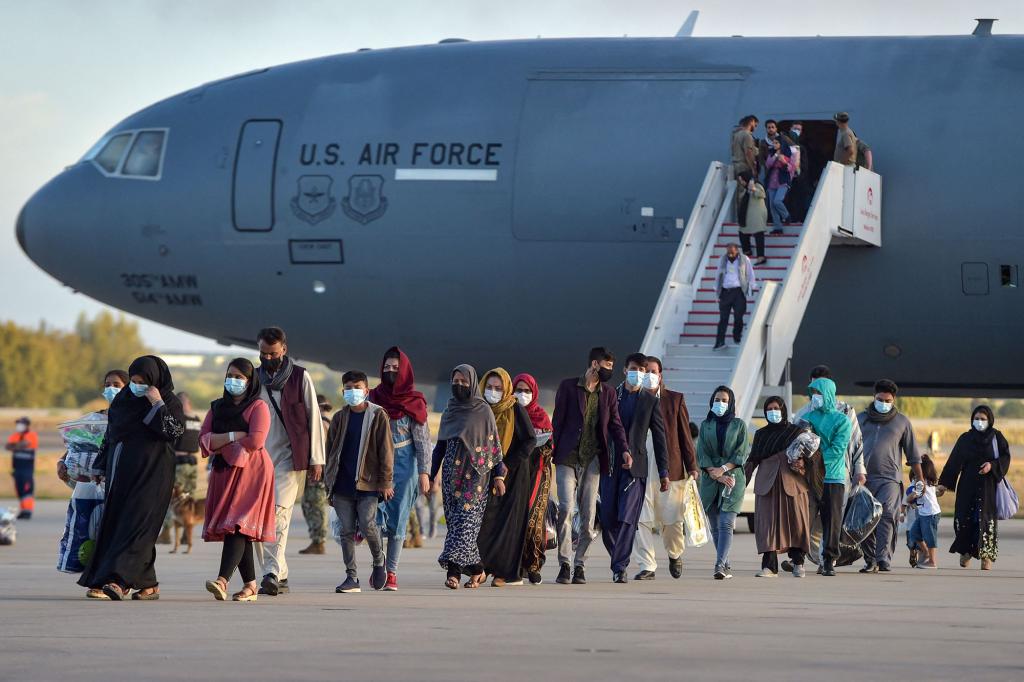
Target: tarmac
909 624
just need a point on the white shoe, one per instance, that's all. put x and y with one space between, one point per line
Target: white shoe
766 573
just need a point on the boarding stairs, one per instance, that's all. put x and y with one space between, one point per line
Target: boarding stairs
843 212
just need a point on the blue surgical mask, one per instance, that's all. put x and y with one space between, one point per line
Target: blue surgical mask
110 392
774 416
817 401
719 407
235 386
354 396
138 390
635 377
882 407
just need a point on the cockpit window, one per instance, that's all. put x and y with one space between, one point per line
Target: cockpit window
109 157
144 158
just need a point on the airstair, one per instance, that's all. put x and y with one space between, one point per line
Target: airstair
845 210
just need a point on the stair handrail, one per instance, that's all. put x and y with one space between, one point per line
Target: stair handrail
679 289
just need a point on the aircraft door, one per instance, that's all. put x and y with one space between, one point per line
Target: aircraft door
252 196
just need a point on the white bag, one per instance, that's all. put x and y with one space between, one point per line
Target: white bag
695 520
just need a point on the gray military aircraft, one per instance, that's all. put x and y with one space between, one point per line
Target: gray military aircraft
483 201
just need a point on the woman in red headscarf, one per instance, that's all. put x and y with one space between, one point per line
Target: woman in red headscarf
528 394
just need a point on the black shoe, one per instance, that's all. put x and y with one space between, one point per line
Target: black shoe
675 568
535 577
620 577
883 567
643 575
564 575
24 516
787 566
350 586
270 586
869 568
378 578
579 577
718 346
828 569
723 573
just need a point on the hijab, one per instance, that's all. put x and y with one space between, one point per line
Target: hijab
504 414
126 412
227 415
401 398
722 423
472 422
538 417
983 438
773 438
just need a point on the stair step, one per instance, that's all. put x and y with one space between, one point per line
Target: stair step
757 268
737 225
767 246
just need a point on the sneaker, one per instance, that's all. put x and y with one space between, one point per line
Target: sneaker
350 586
564 575
913 557
925 565
798 571
270 586
644 575
883 567
723 573
828 569
620 577
675 568
579 577
766 573
719 346
787 566
378 577
536 578
392 583
869 568
314 548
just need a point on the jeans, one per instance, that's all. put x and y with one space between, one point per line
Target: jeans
361 509
722 525
735 301
577 489
780 213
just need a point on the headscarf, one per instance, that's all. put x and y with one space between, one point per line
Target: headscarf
985 437
538 417
504 414
472 422
277 382
722 423
126 412
773 438
401 398
227 415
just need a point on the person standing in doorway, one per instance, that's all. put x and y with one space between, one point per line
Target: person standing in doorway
780 169
22 444
743 148
846 141
295 443
586 423
314 496
734 284
664 510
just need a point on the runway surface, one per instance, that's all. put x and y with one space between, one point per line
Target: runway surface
907 625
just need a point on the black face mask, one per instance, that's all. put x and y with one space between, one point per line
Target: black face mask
604 374
389 378
460 392
732 259
272 365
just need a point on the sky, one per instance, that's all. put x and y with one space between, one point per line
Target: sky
73 69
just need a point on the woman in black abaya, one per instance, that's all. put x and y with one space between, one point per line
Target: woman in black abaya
143 424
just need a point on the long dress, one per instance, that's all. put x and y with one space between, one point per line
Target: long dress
503 532
781 515
465 500
535 545
141 466
975 525
240 497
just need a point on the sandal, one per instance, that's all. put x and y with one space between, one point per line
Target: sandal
247 593
475 581
452 583
152 594
965 560
113 591
96 593
218 588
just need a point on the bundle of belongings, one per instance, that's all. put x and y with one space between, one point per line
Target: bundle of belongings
8 533
83 438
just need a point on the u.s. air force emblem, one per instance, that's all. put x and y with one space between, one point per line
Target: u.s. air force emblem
365 201
313 202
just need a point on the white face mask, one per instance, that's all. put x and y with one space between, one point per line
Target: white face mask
492 396
524 397
882 407
774 416
652 380
354 396
980 424
817 401
21 428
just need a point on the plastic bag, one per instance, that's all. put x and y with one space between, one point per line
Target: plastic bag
695 520
550 526
8 532
862 514
83 438
803 446
85 509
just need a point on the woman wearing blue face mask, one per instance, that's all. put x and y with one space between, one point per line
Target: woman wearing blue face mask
142 426
782 520
722 448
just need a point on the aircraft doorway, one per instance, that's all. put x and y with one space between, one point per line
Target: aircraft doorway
817 144
252 196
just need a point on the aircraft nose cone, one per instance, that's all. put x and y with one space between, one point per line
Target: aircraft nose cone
19 230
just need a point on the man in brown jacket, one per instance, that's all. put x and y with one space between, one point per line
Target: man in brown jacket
360 467
664 510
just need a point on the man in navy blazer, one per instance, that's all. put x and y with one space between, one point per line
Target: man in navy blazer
586 426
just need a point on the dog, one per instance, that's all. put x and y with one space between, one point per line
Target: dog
188 511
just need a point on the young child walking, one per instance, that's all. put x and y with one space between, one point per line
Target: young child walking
924 534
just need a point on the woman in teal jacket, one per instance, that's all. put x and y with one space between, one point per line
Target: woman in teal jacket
834 429
722 449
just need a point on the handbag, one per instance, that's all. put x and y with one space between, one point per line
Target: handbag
1007 502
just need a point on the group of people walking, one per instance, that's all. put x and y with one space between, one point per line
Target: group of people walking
620 455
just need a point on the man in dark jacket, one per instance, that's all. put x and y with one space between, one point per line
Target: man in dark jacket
585 423
623 489
664 510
